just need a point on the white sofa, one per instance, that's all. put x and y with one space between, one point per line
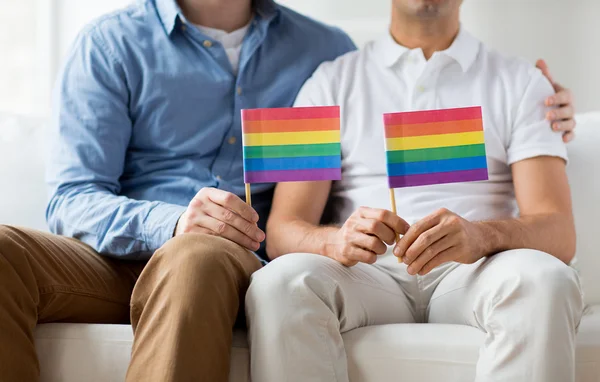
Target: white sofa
424 353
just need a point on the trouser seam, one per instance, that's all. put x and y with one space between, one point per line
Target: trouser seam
448 292
401 294
324 338
52 289
422 305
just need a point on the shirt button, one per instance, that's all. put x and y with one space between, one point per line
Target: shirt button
239 90
218 177
207 43
232 140
183 28
420 89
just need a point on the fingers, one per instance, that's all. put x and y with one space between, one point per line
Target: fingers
424 243
416 230
377 228
566 126
234 220
359 255
562 118
568 137
222 229
231 202
393 221
541 65
560 114
443 257
429 254
369 243
562 97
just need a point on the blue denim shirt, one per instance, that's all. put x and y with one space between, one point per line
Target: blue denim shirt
147 113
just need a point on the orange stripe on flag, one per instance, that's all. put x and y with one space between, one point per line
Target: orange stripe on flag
290 125
435 128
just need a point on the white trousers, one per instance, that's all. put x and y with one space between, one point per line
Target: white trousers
527 302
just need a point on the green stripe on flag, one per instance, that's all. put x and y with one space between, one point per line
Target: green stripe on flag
291 151
439 153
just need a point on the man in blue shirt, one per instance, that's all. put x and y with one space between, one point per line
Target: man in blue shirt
145 181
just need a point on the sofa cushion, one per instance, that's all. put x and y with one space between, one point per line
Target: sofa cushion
415 352
433 353
101 353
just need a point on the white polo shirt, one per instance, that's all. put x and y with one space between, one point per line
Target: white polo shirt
385 77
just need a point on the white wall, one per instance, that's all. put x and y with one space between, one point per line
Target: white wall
72 15
564 32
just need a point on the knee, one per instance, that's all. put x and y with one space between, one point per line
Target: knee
204 257
8 240
541 278
7 247
16 259
289 279
197 251
12 246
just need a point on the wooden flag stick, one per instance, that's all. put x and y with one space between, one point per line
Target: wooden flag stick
393 201
248 195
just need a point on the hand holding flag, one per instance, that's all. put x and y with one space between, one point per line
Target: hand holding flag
434 147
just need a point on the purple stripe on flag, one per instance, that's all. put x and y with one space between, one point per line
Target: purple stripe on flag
438 178
293 175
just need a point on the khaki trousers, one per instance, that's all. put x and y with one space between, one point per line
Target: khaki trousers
527 303
182 303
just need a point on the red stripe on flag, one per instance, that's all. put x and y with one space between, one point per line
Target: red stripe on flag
429 116
317 112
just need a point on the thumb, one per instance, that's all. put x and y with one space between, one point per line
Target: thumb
541 65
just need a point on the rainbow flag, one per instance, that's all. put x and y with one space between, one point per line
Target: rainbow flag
291 144
435 147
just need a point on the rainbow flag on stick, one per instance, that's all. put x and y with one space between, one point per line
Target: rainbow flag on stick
435 147
291 145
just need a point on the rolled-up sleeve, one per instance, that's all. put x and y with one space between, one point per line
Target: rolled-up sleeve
88 139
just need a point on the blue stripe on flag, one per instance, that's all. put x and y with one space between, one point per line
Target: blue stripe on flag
299 163
431 166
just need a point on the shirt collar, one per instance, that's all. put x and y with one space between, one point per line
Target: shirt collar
169 12
464 50
266 9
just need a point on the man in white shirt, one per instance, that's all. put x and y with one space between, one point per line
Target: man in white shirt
470 256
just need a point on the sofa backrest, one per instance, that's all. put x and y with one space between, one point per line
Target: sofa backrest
22 186
584 177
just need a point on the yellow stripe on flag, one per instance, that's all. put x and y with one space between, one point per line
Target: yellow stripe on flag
431 141
296 138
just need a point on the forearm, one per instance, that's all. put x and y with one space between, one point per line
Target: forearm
553 233
295 235
111 224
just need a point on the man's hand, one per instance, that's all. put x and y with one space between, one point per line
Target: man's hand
364 236
563 117
440 238
220 213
